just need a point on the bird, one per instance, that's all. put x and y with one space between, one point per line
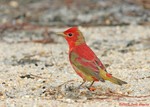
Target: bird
84 61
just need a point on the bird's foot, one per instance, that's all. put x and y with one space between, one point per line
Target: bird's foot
91 88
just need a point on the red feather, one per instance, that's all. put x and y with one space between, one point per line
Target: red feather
88 57
83 59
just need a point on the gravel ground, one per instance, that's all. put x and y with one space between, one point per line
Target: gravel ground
39 75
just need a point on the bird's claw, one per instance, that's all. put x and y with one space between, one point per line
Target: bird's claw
91 88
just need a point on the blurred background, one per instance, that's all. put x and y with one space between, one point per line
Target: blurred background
75 12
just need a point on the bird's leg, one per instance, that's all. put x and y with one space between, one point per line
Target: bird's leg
82 83
91 84
90 87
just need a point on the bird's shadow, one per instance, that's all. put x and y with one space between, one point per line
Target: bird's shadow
69 90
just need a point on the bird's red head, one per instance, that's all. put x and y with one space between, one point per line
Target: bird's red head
73 36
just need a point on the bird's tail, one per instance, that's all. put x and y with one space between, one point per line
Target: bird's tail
109 77
116 81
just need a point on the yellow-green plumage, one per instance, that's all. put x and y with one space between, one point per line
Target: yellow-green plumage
112 79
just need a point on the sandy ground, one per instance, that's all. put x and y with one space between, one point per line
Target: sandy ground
39 75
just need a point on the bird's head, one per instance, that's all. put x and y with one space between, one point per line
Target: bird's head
73 36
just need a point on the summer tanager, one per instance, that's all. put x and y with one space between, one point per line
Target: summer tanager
84 61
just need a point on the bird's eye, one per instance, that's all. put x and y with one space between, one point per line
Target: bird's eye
70 34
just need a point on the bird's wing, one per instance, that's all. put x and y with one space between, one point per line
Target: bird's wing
89 67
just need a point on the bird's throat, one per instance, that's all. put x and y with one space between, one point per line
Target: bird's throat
71 45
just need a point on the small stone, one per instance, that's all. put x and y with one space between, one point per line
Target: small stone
14 4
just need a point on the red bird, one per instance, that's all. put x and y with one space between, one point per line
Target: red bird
84 61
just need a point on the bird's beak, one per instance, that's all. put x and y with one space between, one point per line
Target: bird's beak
60 34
